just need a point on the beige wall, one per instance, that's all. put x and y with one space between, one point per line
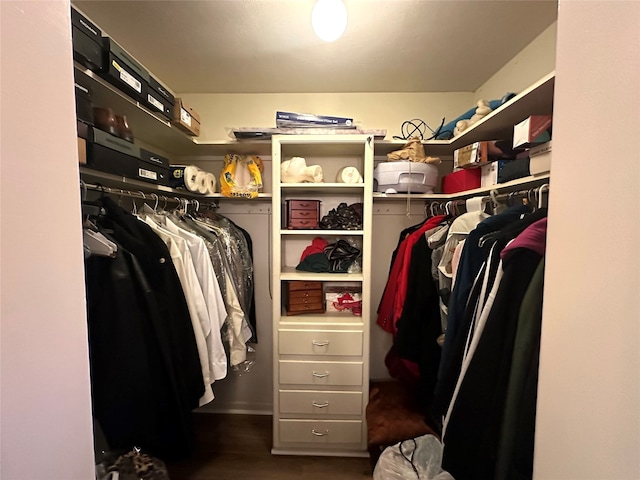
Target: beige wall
45 421
535 61
588 422
369 110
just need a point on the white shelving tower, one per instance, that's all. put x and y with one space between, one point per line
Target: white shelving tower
321 361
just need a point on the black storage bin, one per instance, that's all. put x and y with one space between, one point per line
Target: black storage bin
162 91
514 169
156 102
150 163
87 42
85 51
113 47
124 78
152 173
111 154
84 106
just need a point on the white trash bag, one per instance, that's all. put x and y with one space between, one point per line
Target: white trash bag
418 458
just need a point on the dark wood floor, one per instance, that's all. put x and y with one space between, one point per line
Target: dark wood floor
238 447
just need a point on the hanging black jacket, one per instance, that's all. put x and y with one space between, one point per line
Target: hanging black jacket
419 325
471 439
134 395
167 303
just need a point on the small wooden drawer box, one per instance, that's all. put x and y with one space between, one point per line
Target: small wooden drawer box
303 214
303 297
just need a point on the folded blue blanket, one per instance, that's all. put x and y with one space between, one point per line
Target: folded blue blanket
446 132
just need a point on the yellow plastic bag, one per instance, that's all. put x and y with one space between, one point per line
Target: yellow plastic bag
241 176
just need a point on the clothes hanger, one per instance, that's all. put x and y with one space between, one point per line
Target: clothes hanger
98 244
541 190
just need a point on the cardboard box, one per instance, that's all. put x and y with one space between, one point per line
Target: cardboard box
491 173
186 118
471 156
532 131
465 179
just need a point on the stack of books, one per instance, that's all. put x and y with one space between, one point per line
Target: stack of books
307 120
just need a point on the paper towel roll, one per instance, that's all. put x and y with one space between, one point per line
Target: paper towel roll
202 182
211 183
348 175
190 178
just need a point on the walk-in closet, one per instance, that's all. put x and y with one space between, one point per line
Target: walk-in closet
297 317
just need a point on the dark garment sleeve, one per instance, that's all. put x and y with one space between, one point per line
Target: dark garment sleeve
515 446
134 395
472 433
419 326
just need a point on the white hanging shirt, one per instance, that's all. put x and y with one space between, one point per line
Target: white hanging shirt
212 297
181 258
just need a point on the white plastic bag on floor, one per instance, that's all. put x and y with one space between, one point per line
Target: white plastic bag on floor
418 458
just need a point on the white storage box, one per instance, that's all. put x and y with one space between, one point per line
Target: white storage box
404 177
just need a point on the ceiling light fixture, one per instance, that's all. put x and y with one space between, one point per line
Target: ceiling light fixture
329 19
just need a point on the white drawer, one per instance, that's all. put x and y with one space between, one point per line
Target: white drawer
320 373
320 342
320 402
320 431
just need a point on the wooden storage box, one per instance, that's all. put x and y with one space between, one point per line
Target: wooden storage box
303 297
186 118
303 214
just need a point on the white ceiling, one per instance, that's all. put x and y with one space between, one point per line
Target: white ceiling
255 46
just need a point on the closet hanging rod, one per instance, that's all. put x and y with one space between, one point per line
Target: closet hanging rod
532 195
149 196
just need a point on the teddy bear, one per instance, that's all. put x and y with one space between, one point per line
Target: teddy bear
482 110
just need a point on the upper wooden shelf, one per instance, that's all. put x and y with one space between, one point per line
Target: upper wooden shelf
535 100
155 130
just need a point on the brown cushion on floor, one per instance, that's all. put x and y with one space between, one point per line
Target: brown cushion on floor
393 415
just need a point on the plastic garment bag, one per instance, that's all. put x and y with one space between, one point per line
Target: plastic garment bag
418 458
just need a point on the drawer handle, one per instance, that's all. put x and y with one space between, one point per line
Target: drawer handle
319 434
320 375
320 405
320 344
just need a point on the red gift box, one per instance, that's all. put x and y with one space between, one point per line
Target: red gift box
461 180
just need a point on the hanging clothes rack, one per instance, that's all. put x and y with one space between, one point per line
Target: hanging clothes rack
213 203
532 196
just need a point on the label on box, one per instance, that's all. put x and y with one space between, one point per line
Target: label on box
155 103
147 174
471 156
185 117
127 78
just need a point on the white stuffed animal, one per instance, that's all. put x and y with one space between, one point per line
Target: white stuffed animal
297 171
482 110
